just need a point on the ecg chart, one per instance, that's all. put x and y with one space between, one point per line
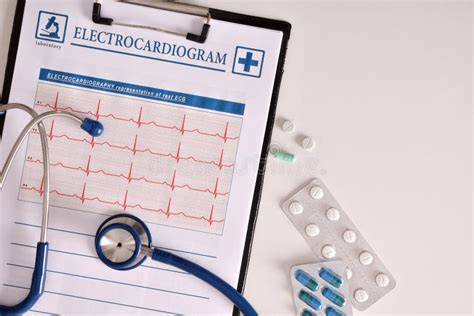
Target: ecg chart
168 164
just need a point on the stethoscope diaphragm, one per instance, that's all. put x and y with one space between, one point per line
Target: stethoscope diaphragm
119 242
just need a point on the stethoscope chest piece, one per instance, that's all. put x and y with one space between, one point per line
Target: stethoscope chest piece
119 242
123 242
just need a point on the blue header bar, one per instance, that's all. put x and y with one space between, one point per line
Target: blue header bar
122 88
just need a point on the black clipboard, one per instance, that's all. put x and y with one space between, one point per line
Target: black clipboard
216 14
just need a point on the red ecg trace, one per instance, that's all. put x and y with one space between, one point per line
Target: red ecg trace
87 170
123 199
135 150
139 122
124 204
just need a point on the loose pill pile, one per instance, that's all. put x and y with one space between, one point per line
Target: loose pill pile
332 236
306 143
320 289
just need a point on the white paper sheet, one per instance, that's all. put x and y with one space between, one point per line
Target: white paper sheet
181 150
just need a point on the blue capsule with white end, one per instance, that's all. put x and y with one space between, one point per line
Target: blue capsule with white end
92 127
330 277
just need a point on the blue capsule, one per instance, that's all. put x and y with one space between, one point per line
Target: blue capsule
333 312
306 280
92 127
330 277
334 297
310 300
307 313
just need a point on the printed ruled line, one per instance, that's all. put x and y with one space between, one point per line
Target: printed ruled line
97 300
55 229
113 282
93 236
93 257
44 313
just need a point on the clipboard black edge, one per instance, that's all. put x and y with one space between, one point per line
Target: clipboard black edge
11 59
216 14
285 28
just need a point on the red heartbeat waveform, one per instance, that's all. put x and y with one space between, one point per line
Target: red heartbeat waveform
139 122
135 149
87 170
124 204
83 197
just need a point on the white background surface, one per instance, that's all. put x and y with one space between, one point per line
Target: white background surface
386 90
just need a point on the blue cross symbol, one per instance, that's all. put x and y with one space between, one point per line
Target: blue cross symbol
248 62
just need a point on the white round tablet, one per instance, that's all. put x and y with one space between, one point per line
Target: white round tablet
349 236
366 258
274 149
308 143
328 252
288 126
312 230
296 208
333 214
382 280
316 192
348 273
361 295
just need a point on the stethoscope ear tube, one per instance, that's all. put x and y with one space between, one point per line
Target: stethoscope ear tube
37 284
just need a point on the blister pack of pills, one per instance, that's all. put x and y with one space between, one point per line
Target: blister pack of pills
320 289
331 234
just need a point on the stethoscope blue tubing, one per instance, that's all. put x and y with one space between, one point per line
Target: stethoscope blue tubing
37 284
206 276
170 259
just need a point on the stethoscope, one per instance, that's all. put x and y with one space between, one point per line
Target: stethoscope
123 242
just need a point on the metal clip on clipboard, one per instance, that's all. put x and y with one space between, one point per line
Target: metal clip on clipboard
163 5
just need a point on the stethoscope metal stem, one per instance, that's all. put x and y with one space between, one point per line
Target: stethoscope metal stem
93 128
36 121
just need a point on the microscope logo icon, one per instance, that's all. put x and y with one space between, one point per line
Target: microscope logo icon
51 27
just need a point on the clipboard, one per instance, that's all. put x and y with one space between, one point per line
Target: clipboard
215 14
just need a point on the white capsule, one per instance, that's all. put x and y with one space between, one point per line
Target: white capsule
366 258
348 273
382 280
328 252
296 208
316 192
308 143
333 214
312 230
349 236
361 295
288 126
